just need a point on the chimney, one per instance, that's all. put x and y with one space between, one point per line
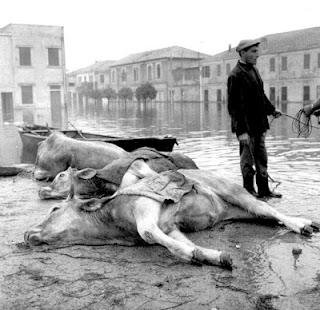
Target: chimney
229 48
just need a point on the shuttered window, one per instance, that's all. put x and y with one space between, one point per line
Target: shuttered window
53 57
272 65
27 94
306 61
25 56
284 65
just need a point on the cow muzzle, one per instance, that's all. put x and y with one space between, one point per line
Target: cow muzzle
33 238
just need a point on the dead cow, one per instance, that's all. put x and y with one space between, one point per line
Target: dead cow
58 152
155 210
89 182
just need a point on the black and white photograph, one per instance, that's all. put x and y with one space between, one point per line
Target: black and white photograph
159 155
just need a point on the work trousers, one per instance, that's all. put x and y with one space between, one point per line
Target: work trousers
253 154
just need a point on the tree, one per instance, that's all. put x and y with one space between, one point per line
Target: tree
109 93
145 91
125 93
87 89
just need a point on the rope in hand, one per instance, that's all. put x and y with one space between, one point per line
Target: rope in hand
301 124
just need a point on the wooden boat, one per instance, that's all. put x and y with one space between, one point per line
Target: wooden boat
32 135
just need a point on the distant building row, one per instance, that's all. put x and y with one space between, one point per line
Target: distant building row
289 64
33 71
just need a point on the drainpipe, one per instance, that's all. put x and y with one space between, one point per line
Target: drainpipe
64 79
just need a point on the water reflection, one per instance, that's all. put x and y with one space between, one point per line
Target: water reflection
203 132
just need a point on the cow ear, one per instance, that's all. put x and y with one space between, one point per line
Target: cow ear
94 204
87 173
91 205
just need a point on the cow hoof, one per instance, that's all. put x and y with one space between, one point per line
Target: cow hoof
226 261
307 230
315 226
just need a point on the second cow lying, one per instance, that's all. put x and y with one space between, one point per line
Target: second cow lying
90 182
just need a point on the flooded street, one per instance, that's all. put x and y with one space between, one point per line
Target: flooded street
268 275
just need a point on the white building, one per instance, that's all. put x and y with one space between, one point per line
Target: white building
32 66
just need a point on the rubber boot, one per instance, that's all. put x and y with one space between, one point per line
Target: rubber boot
248 185
264 191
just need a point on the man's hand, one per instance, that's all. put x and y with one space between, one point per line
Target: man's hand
244 138
276 114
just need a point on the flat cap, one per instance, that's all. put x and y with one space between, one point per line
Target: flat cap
247 43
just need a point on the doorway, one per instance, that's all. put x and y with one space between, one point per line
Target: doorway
7 107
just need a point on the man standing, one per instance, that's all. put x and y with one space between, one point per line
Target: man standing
249 107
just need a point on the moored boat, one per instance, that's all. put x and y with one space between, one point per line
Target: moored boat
32 135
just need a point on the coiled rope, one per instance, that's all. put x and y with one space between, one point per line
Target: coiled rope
301 123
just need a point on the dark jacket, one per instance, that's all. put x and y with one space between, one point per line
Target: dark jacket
248 105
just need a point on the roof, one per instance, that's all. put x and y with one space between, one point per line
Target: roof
98 66
291 41
11 26
168 52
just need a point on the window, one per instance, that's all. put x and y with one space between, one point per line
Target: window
272 65
113 76
101 78
319 60
284 93
191 74
228 69
306 93
272 94
79 79
149 73
135 74
53 57
284 65
26 94
25 56
218 70
90 78
206 71
306 61
219 95
123 75
158 71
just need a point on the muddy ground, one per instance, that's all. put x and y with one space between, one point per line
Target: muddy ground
267 274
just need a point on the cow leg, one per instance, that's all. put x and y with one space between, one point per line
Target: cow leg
205 253
138 170
258 208
238 196
146 213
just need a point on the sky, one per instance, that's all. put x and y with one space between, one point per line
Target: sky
97 30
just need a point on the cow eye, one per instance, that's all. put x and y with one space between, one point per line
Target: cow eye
62 175
54 209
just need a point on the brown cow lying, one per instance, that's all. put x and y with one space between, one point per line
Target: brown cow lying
90 182
155 210
58 152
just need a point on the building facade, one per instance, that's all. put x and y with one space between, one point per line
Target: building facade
289 65
32 64
173 71
96 76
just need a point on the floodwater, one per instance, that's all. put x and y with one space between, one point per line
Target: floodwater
268 275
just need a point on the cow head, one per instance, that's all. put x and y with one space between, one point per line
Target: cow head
86 183
52 157
85 222
59 188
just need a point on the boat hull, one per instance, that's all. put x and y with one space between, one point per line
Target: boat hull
32 137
